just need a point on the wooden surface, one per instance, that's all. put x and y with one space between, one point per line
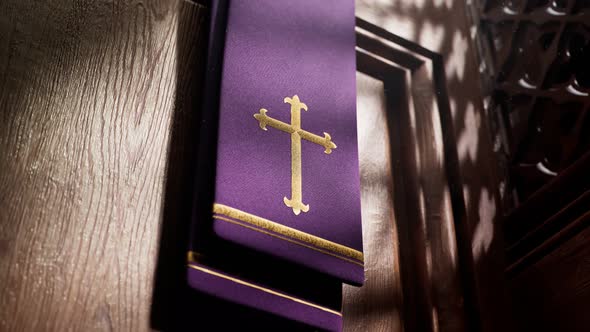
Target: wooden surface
89 94
378 305
548 251
444 27
430 286
553 293
97 103
98 117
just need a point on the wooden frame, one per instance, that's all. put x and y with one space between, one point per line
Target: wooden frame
435 256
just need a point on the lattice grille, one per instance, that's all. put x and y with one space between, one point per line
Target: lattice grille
537 55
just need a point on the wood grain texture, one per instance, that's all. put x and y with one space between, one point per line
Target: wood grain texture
378 305
427 269
444 28
549 254
553 294
96 101
88 93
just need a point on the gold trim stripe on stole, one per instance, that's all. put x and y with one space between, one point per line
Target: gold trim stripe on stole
266 290
317 242
239 223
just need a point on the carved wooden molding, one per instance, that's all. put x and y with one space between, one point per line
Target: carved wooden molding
436 266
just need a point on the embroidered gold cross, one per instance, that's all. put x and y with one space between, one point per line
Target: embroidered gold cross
296 201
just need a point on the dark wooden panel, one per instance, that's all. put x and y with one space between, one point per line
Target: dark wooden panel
554 293
89 91
378 305
434 270
534 221
549 254
444 30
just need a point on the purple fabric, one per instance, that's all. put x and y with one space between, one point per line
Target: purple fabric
329 264
277 49
256 298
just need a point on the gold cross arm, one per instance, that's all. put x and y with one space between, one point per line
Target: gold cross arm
265 120
294 129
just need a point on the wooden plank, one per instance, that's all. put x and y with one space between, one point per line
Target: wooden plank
544 204
378 305
553 294
89 91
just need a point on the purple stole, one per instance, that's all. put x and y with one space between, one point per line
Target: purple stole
277 223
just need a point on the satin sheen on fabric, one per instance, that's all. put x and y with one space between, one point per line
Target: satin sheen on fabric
273 50
248 246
